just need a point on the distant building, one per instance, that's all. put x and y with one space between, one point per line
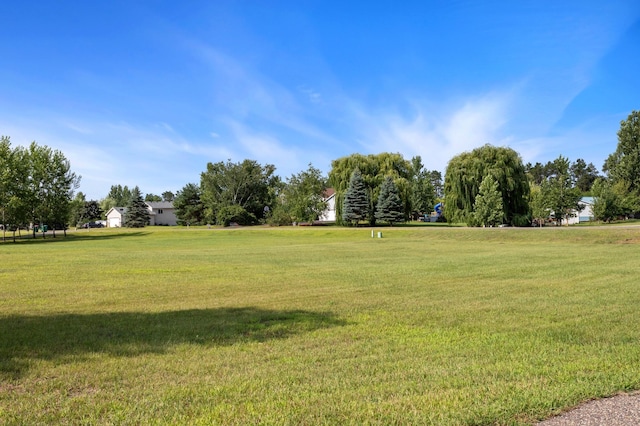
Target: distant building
161 213
329 215
584 215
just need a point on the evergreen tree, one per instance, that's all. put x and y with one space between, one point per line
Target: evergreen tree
488 209
356 202
188 205
137 215
389 207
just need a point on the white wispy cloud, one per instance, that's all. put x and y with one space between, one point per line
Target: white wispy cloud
437 133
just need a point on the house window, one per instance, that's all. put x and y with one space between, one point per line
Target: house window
159 211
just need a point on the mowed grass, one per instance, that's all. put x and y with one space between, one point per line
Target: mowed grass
427 325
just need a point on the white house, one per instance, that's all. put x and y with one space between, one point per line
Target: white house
329 215
160 213
584 215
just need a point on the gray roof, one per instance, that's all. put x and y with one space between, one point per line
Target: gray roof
160 204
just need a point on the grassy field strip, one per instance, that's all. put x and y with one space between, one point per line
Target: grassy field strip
316 325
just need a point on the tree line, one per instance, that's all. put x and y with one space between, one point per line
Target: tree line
36 187
484 187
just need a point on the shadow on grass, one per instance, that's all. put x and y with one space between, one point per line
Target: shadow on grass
71 236
56 337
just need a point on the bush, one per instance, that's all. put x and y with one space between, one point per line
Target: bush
279 217
235 214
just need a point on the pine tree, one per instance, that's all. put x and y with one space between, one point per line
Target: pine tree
389 207
356 202
137 215
487 209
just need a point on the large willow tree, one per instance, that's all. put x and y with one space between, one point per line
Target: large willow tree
374 170
465 173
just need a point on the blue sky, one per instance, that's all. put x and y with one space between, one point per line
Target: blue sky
147 92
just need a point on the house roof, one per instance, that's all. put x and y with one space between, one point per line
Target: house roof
160 204
328 193
587 200
120 210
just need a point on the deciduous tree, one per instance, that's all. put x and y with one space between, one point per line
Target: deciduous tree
465 173
624 164
247 184
303 195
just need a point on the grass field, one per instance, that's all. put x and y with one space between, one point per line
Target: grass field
428 325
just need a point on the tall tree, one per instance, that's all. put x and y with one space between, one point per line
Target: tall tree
611 201
151 198
465 173
303 195
137 214
423 195
559 191
583 175
487 208
389 206
168 196
373 170
436 182
248 185
540 210
11 175
188 205
356 200
624 164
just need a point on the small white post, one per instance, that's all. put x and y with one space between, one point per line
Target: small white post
372 234
379 234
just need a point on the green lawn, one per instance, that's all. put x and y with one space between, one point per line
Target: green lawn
428 325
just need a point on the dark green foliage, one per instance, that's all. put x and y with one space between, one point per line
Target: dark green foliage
91 211
247 184
235 214
355 207
488 209
151 198
623 166
423 193
465 173
584 175
137 214
279 216
168 196
389 206
188 205
373 169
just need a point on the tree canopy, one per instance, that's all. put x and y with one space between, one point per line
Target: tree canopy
465 173
623 166
247 185
373 170
303 195
36 186
188 205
